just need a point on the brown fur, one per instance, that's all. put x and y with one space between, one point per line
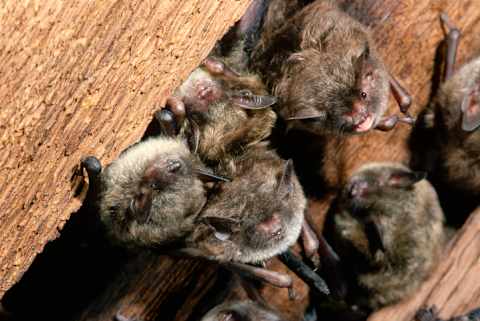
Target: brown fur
410 224
263 191
278 12
226 129
458 162
314 66
261 188
174 206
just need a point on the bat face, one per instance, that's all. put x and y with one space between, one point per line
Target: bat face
389 226
379 183
203 89
456 111
457 103
151 193
241 311
255 216
325 93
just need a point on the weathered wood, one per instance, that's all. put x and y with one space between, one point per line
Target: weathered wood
454 286
79 78
152 285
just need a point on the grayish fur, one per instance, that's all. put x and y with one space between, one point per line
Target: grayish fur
458 162
256 192
174 207
410 222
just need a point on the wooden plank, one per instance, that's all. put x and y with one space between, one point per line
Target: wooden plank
79 78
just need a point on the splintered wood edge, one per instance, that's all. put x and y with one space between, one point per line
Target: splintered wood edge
454 286
83 78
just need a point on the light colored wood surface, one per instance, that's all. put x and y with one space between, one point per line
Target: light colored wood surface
80 78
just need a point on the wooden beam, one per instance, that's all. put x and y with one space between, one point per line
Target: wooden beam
80 78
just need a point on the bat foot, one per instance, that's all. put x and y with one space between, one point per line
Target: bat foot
427 314
166 120
92 165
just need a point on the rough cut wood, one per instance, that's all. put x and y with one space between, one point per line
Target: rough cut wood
151 286
79 78
454 286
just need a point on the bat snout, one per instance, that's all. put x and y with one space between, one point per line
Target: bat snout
271 226
358 189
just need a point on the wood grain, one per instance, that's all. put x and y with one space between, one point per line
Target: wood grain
454 285
80 78
152 285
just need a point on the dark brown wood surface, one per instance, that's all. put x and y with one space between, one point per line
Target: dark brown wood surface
80 78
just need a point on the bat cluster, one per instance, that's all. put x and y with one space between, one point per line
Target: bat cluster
212 186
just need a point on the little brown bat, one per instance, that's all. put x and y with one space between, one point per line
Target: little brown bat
323 67
454 116
152 193
388 226
259 214
221 112
255 216
241 311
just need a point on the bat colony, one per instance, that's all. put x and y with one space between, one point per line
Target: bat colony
212 186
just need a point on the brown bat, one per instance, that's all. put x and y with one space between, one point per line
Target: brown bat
152 197
388 228
323 67
454 117
221 112
226 133
431 314
258 214
152 193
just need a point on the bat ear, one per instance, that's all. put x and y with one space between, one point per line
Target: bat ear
470 112
206 175
285 184
405 178
363 64
141 205
223 227
247 100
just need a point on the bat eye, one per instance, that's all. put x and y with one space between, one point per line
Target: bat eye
363 95
155 186
245 93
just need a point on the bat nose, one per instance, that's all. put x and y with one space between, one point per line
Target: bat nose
358 114
358 189
359 107
271 226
